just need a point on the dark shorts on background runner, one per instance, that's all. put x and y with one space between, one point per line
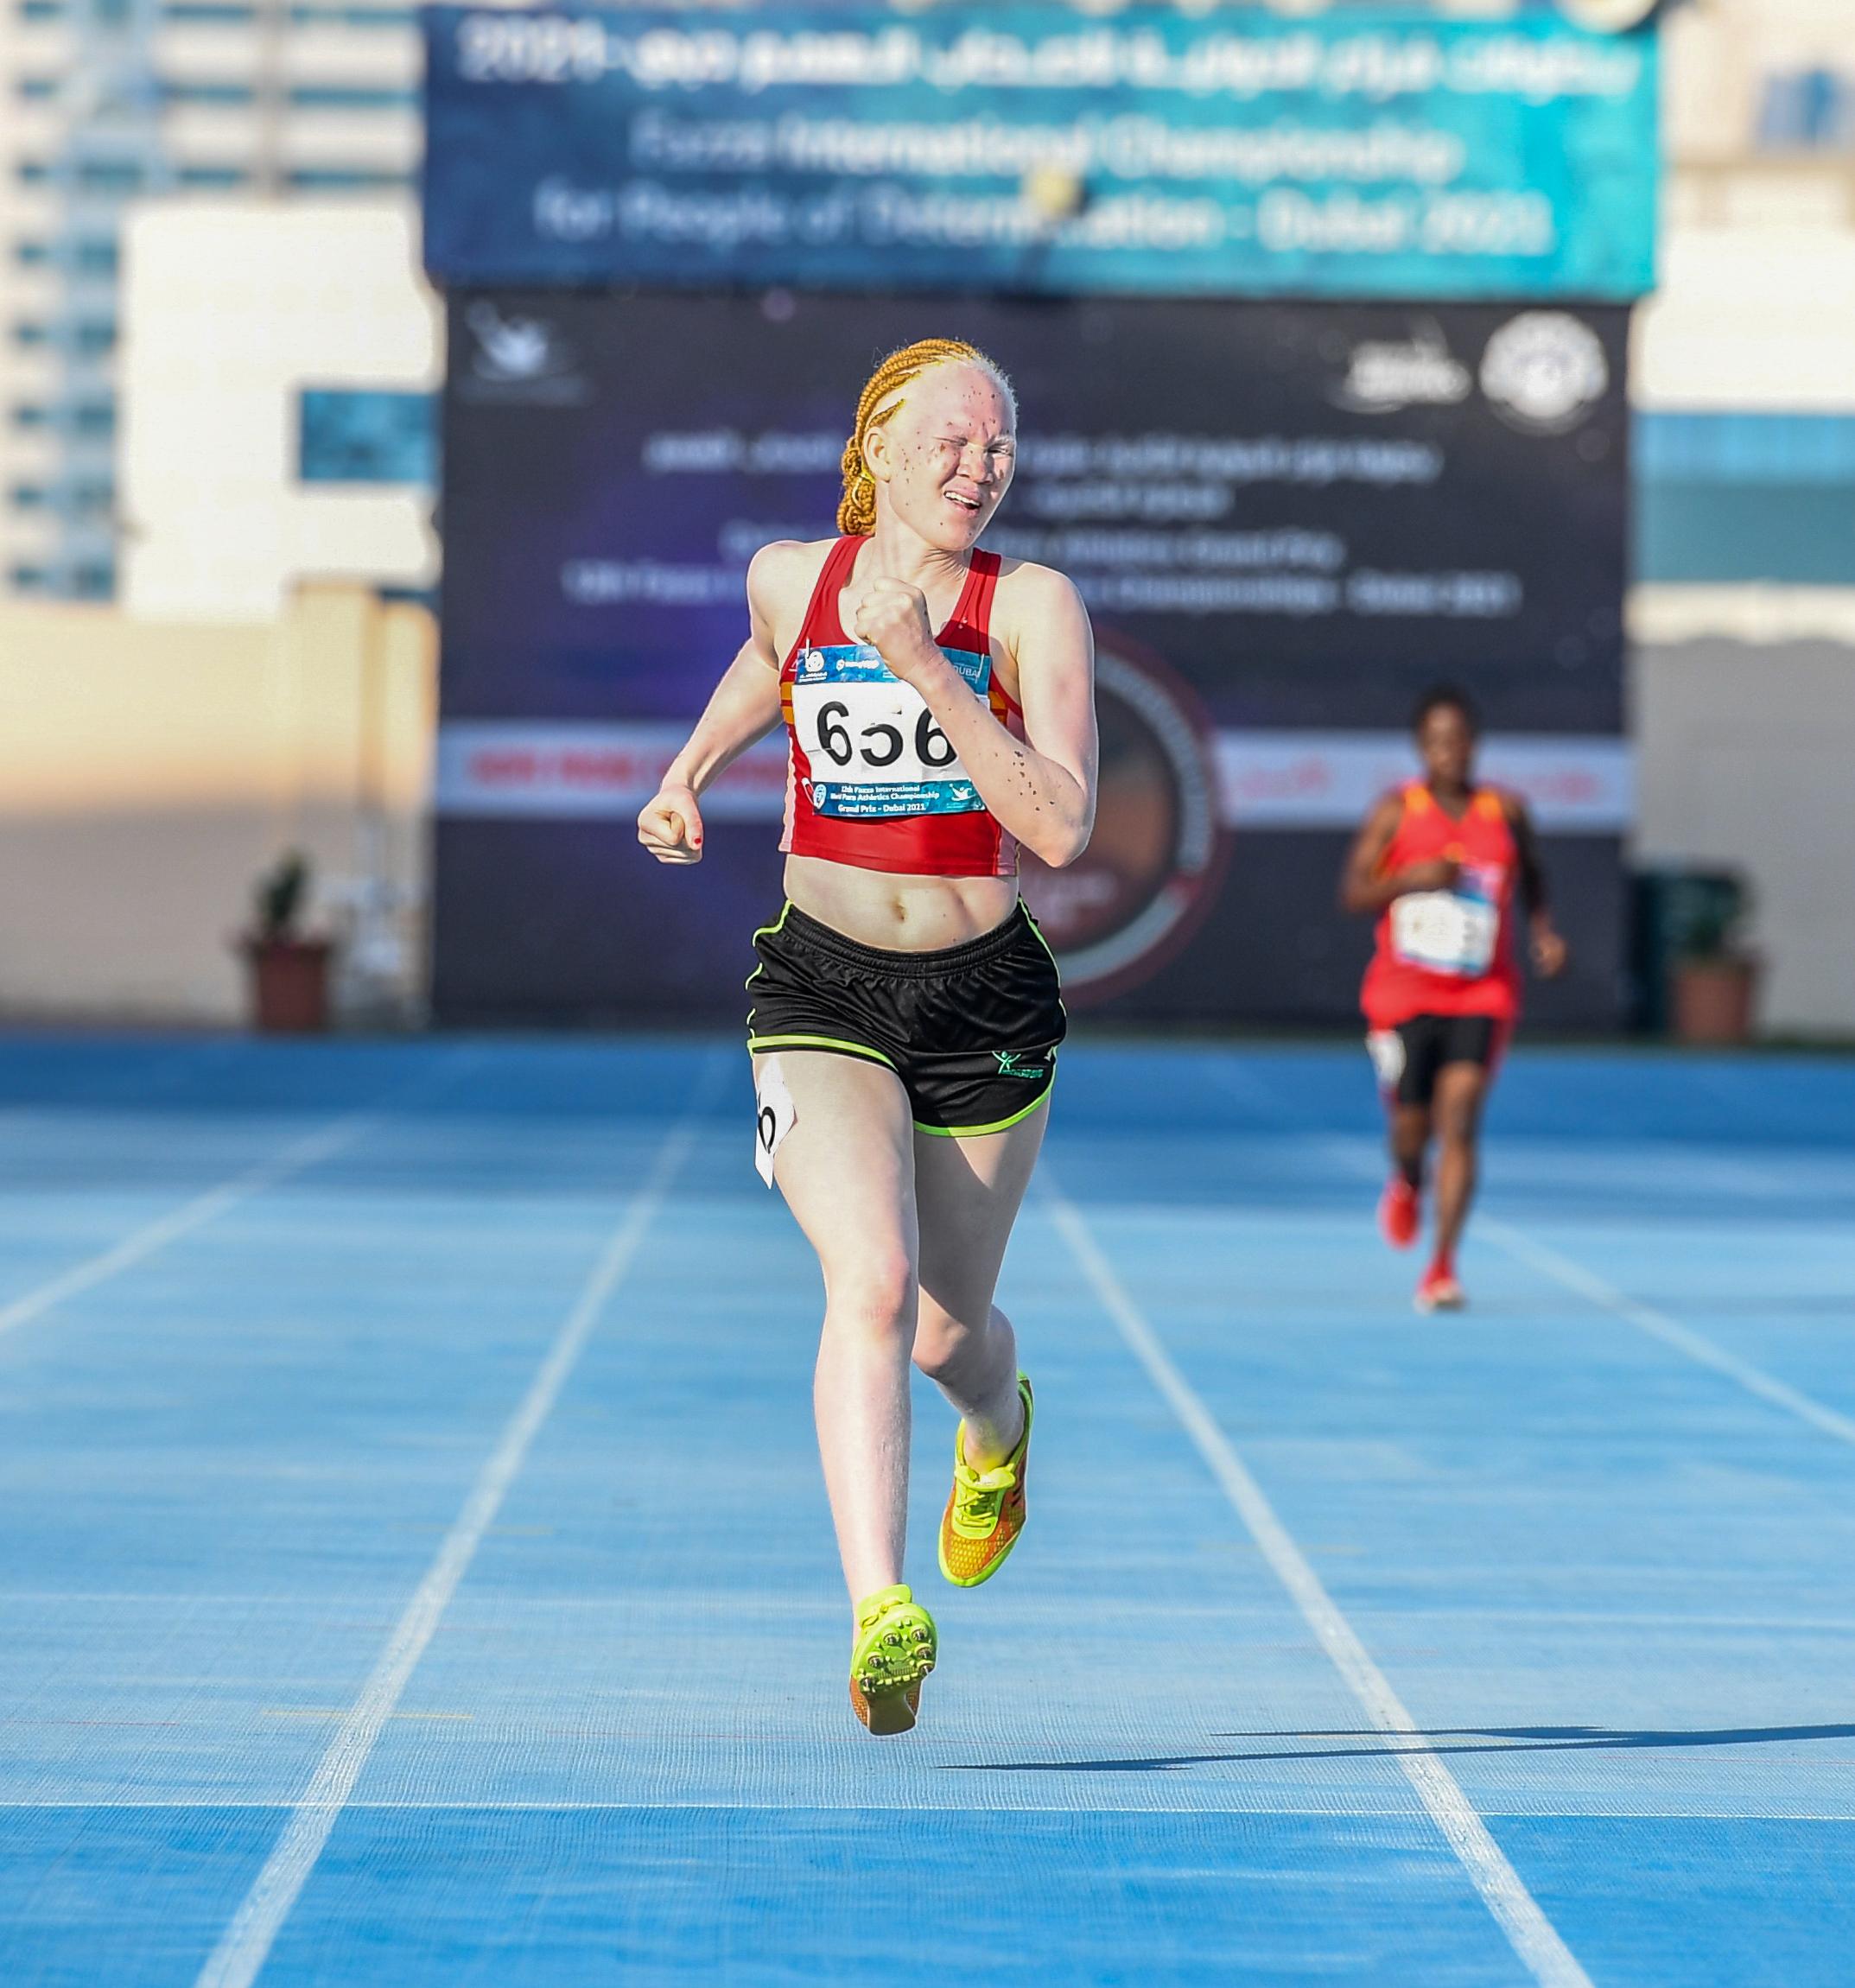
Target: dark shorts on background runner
971 1030
1407 1057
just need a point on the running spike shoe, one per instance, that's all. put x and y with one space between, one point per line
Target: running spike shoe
985 1510
1439 1292
1399 1212
895 1648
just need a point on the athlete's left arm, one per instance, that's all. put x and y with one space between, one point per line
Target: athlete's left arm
1041 787
1547 948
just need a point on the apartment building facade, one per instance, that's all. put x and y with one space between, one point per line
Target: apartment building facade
111 102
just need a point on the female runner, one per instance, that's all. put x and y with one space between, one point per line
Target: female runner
1441 862
906 1011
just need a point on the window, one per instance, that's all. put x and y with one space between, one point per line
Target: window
108 175
27 333
209 14
26 495
93 336
353 17
351 97
88 259
212 176
225 94
1808 110
343 179
93 420
37 89
366 435
41 10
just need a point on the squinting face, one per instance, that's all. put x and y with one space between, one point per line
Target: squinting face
945 456
1448 745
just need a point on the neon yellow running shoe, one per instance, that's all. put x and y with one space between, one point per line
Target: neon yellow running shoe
895 1648
985 1511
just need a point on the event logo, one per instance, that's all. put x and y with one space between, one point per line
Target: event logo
1141 888
1544 372
521 360
1384 376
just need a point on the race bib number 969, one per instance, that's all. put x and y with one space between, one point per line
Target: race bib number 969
874 747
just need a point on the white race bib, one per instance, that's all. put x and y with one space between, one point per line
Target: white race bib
871 743
1444 931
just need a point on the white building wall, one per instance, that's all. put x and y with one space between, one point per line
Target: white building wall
230 310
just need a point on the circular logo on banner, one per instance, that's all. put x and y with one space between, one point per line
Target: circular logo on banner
1140 889
1544 370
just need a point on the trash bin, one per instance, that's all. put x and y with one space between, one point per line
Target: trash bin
1680 915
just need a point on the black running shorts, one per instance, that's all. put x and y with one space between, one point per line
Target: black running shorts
971 1031
1408 1058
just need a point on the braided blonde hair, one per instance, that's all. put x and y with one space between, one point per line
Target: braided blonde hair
856 514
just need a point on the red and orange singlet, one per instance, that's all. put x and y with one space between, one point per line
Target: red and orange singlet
873 781
1448 952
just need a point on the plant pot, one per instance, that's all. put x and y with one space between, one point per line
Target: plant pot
1713 999
289 984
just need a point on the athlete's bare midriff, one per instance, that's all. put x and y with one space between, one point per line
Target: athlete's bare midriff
900 914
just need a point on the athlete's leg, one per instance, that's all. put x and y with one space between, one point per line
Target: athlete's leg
968 1192
1410 1140
847 1169
1461 1089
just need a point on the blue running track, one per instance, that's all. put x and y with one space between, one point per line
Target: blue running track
414 1570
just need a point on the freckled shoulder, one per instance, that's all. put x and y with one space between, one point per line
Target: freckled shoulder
1026 589
780 579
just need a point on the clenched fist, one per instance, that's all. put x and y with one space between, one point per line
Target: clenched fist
670 825
892 618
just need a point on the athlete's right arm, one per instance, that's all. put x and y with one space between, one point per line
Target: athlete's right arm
1365 887
744 708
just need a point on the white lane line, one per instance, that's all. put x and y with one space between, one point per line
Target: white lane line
1357 1156
1658 1326
1531 1934
298 1154
246 1942
143 1243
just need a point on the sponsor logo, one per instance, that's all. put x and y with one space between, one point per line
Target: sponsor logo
523 360
1544 372
1009 1065
1382 376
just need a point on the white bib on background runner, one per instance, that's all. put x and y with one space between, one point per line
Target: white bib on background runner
1445 931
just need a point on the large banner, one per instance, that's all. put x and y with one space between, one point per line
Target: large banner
1287 521
1026 148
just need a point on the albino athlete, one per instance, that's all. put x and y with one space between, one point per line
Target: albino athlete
906 1014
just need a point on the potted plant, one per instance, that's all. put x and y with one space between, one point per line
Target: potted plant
1714 980
289 970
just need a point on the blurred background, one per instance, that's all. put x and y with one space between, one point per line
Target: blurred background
224 384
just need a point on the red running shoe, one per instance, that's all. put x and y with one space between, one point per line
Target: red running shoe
1439 1292
1399 1212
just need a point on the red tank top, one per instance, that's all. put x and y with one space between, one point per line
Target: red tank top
871 780
1448 952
